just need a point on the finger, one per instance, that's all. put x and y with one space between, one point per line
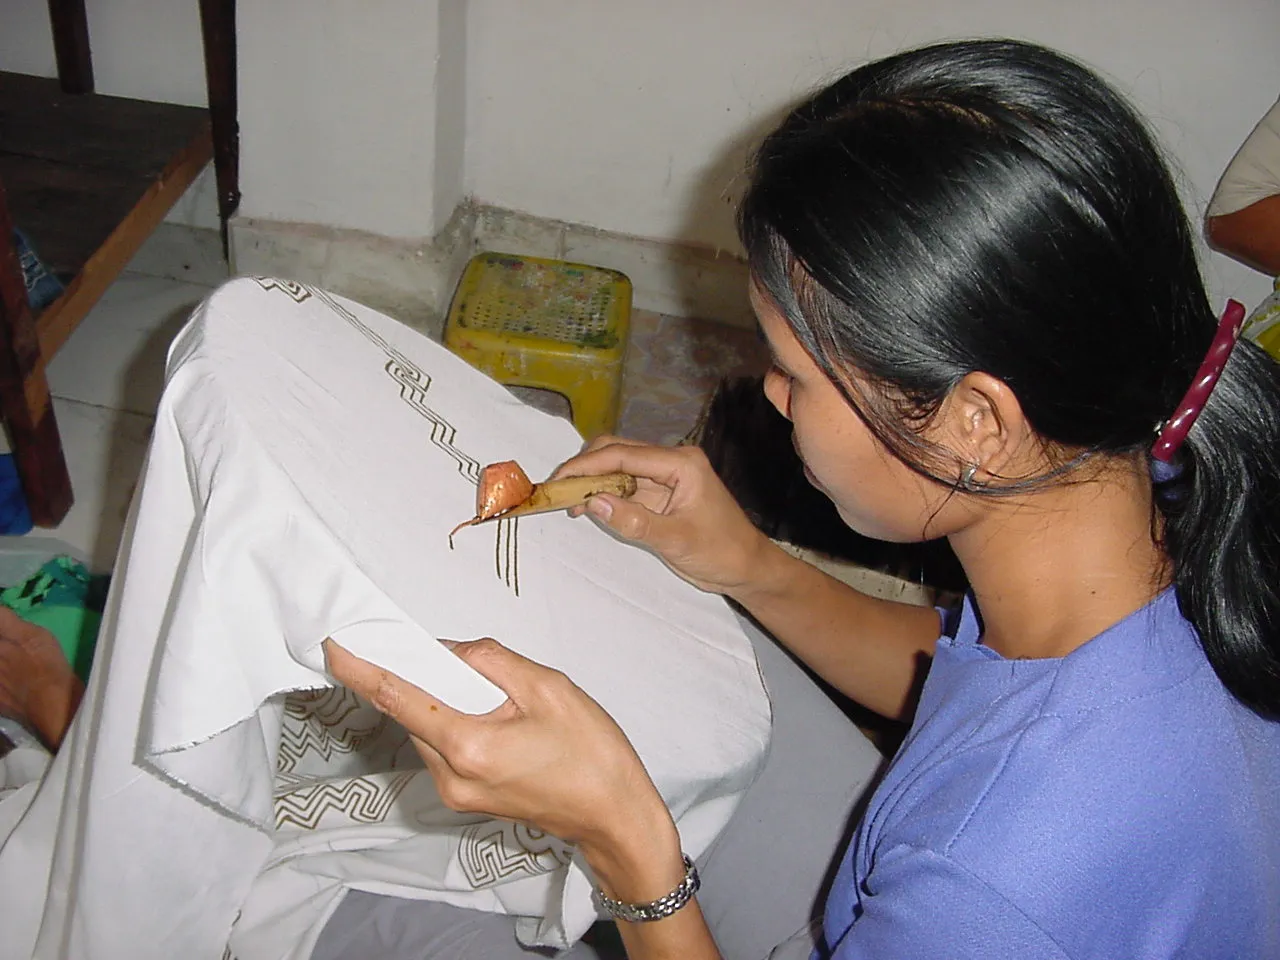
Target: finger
635 521
570 467
662 465
514 674
655 496
605 439
413 708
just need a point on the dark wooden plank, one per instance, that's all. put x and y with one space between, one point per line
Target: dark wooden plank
218 29
67 210
77 166
71 45
60 318
91 178
25 403
38 120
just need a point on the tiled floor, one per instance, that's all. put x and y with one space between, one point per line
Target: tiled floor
672 368
108 377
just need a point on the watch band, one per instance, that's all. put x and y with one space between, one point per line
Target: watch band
658 909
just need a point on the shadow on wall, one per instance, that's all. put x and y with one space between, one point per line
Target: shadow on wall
712 210
713 200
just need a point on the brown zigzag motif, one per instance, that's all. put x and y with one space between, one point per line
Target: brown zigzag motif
406 373
494 851
413 391
330 706
359 799
414 382
318 721
294 290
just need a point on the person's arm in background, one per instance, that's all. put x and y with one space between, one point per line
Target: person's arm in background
1251 235
1243 219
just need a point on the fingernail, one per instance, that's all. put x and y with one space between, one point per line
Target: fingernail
600 508
449 643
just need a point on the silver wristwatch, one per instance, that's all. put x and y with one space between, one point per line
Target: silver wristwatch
658 909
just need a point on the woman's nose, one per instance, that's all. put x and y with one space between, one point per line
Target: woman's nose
777 389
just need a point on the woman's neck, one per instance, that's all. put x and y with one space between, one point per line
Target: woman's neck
1054 568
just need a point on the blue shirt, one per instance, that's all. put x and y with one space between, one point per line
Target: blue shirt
1116 803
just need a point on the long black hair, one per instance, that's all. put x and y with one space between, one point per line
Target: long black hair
992 205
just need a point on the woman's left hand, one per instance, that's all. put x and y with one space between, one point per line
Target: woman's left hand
549 756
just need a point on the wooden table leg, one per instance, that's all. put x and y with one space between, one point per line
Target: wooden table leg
25 403
71 45
218 27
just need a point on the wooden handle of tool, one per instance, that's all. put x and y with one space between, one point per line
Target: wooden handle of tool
563 494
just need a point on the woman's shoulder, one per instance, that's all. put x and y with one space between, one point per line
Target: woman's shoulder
1123 752
1161 802
1151 659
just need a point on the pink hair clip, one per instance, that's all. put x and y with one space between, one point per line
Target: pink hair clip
1174 430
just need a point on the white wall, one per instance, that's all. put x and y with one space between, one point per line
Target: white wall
639 114
339 112
451 112
148 49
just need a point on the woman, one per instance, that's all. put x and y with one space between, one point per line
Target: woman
983 304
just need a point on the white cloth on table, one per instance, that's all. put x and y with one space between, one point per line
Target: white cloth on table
308 461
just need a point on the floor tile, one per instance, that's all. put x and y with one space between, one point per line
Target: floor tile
105 450
190 254
115 358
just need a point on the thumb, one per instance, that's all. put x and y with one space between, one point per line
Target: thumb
500 665
631 520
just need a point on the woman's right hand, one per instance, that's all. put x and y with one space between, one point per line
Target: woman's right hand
680 510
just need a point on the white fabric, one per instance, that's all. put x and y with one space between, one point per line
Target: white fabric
1254 172
794 822
308 460
20 769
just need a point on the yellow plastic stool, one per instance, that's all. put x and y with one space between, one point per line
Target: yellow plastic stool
560 326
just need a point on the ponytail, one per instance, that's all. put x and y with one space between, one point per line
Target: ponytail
1222 528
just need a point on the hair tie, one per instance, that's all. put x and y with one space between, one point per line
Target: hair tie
1174 430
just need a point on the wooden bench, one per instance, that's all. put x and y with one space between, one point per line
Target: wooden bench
88 178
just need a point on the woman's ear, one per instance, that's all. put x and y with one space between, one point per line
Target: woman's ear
985 427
